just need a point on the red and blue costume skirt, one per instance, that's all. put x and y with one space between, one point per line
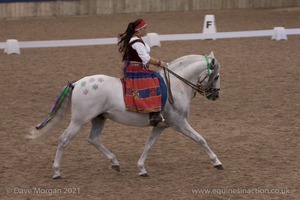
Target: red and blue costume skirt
142 91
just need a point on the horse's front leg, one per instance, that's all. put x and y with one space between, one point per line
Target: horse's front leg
188 131
155 133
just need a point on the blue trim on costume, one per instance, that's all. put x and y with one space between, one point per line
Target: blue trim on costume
163 89
137 75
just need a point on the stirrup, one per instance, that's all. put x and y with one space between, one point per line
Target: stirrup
162 118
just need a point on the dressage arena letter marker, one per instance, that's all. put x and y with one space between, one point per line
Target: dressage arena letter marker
152 39
209 27
12 46
279 34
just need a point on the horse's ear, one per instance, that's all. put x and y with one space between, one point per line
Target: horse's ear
213 62
211 55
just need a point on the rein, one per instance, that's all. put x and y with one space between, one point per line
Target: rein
197 88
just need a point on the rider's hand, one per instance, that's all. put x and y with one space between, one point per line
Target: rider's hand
162 64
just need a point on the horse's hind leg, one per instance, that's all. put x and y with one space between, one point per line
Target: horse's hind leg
94 139
188 131
64 140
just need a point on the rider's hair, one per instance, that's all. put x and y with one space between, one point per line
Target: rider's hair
124 38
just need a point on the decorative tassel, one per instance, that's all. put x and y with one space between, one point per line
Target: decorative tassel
56 106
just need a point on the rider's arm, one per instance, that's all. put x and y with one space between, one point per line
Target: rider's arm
144 55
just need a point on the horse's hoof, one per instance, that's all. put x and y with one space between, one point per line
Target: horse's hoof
56 177
144 175
116 167
219 167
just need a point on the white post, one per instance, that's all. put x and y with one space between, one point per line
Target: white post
279 34
12 46
209 27
152 40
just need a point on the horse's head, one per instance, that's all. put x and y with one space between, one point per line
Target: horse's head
209 80
203 79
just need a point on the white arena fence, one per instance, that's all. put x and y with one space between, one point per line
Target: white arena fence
169 37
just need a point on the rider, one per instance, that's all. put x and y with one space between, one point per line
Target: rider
142 92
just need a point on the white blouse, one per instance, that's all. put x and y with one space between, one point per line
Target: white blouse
142 50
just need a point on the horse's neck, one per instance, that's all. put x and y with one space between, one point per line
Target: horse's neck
189 67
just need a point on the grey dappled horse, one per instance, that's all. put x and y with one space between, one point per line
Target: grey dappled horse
98 98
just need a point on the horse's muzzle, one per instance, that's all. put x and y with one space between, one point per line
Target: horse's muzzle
213 94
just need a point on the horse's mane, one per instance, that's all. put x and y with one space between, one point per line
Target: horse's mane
183 61
180 64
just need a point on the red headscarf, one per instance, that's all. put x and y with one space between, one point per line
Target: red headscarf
141 25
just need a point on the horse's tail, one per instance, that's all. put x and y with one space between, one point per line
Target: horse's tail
56 115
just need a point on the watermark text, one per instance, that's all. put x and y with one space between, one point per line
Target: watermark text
222 191
43 191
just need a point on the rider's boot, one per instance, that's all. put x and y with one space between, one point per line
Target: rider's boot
155 118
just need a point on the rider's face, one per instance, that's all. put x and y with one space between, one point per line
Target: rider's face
143 31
